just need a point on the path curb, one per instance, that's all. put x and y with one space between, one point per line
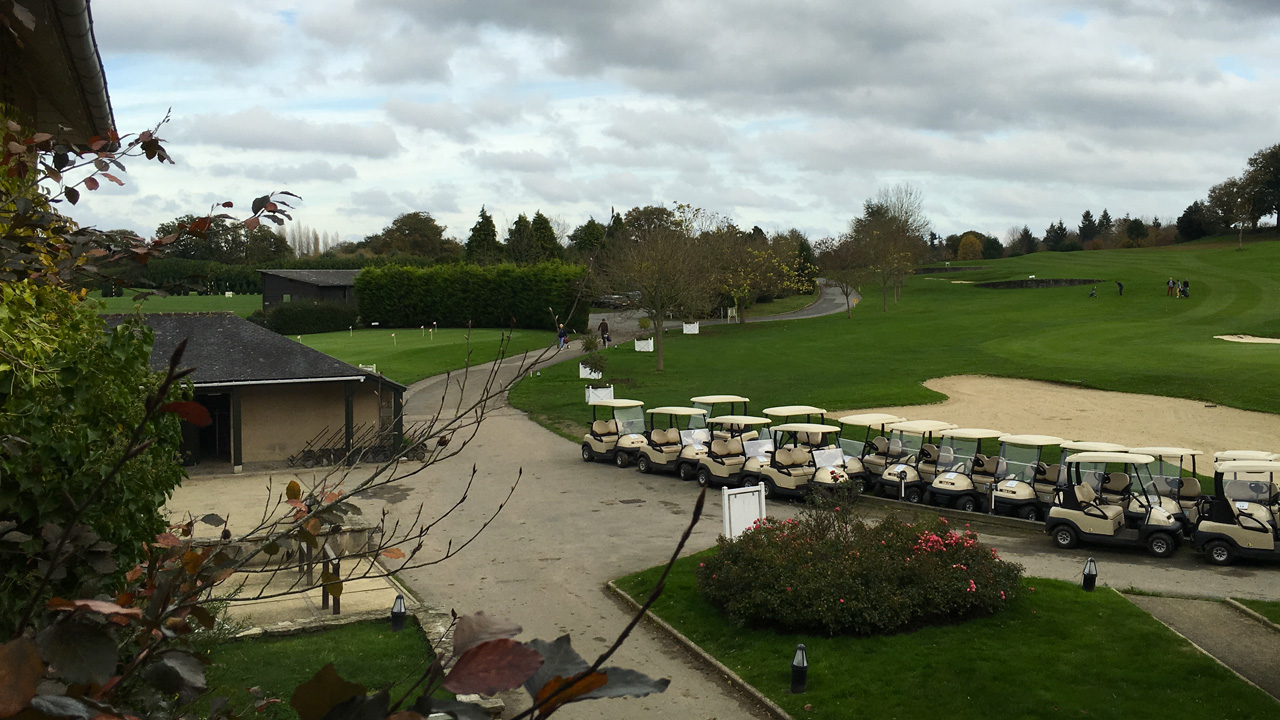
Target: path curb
1253 614
715 665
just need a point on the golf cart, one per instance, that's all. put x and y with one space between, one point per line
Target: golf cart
617 431
727 452
1080 513
914 458
795 414
801 454
1241 517
1175 478
1024 484
862 460
1229 455
671 448
718 405
962 480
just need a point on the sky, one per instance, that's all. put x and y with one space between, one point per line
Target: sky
776 113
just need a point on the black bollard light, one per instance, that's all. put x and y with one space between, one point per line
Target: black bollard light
799 670
1090 575
398 614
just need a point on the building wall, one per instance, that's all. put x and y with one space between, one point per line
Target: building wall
278 420
274 288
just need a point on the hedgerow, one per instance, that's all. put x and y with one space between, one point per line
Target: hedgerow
832 573
304 318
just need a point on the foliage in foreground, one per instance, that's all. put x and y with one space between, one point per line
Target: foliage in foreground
832 573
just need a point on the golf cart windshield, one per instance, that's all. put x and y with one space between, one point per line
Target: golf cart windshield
630 419
1167 474
1018 462
911 442
698 421
1257 488
962 452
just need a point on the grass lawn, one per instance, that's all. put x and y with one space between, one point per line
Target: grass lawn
1142 342
791 303
411 356
1056 652
365 653
241 305
1268 610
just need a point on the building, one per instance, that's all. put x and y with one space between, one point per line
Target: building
268 395
282 286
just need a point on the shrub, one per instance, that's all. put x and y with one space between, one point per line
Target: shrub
304 318
832 573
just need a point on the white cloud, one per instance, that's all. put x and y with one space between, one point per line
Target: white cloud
258 128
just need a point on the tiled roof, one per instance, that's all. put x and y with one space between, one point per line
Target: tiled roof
321 278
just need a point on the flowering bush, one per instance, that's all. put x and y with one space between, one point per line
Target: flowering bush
832 573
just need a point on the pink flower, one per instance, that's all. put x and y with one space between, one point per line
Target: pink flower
841 599
837 509
1001 594
702 564
944 520
789 590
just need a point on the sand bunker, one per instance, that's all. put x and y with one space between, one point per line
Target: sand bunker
1248 339
1030 407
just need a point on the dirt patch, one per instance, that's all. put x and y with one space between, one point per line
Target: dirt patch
1248 339
1031 407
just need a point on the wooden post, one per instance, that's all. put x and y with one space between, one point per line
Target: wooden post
237 445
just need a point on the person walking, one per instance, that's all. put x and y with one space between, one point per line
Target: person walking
1169 292
563 335
1120 287
604 332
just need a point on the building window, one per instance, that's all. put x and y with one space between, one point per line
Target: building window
287 297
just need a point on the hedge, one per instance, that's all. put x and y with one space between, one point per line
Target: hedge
482 296
217 278
305 318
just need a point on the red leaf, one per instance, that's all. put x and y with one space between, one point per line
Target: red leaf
491 667
252 223
200 225
594 681
98 144
167 540
297 504
21 668
113 179
104 607
189 410
393 554
472 630
91 183
228 204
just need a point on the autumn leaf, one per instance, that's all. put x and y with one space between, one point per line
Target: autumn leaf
492 667
293 491
167 540
22 669
104 607
189 410
474 629
325 690
554 696
392 554
252 224
298 504
192 561
91 183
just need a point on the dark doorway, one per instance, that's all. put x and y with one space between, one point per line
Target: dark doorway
213 442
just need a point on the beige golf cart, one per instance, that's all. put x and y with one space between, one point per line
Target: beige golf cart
1229 455
858 434
801 455
1024 484
727 453
1079 513
671 447
1174 474
1242 516
617 431
719 405
913 459
962 481
795 414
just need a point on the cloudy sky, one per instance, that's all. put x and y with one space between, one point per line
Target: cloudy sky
777 113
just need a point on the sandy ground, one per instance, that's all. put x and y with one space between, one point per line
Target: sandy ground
1031 407
1248 339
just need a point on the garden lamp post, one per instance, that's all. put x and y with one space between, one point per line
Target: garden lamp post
1090 575
398 614
799 670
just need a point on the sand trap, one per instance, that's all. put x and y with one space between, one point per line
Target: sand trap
1030 407
1248 339
961 282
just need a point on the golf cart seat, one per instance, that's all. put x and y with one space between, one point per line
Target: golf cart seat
1089 501
1189 493
880 446
605 429
895 448
727 452
1045 482
793 462
661 437
983 465
1116 483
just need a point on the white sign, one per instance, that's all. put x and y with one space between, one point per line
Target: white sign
1242 506
691 328
604 393
588 373
742 507
644 345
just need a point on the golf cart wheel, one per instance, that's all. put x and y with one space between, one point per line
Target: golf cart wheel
770 490
1219 552
1161 544
704 477
685 471
966 503
913 496
1065 537
643 464
586 453
1029 512
928 498
621 459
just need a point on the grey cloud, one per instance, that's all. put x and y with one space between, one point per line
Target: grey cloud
260 129
645 129
550 188
446 118
224 33
314 170
519 161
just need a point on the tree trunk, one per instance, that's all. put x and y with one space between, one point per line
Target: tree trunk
848 306
884 295
657 339
742 315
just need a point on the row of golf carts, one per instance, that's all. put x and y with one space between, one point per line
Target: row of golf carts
1095 492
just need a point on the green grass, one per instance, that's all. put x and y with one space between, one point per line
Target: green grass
241 305
1142 342
411 356
1057 651
791 303
1267 609
365 653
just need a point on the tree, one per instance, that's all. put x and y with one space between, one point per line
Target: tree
845 264
1263 179
673 273
1055 237
750 267
482 246
970 249
588 237
546 245
1232 202
1105 225
796 244
1194 222
1135 230
643 220
224 241
415 233
892 230
992 248
1088 229
520 245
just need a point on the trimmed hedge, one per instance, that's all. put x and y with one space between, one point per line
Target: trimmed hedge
304 318
218 278
832 573
482 296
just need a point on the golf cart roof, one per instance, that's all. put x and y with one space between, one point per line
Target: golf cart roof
739 420
617 403
1229 455
785 410
1248 466
922 426
1163 452
671 410
869 419
1034 440
1111 457
713 399
806 427
972 433
1082 446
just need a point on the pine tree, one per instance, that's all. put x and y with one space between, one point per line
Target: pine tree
1088 227
483 247
1104 222
545 244
1055 236
520 247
